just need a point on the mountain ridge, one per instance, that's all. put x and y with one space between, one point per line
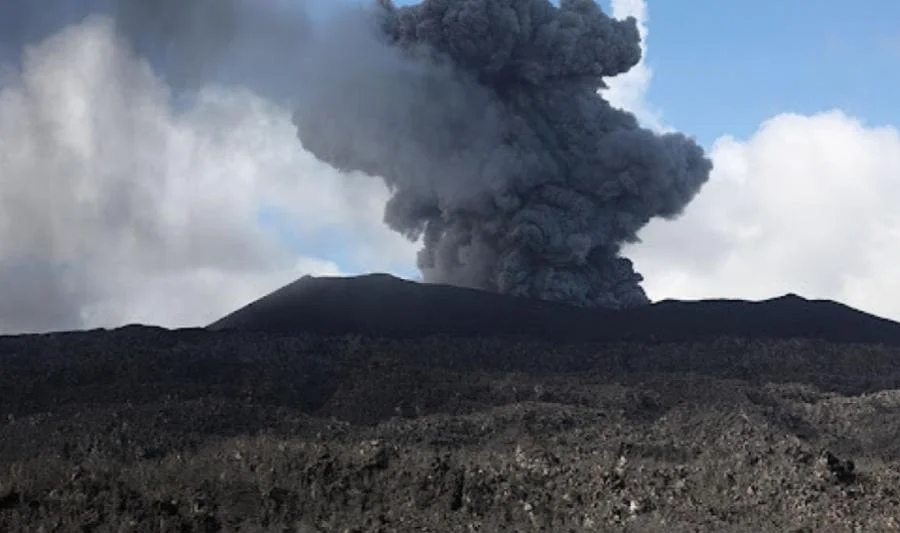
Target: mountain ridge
386 306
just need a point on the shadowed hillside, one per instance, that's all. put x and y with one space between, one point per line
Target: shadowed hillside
382 305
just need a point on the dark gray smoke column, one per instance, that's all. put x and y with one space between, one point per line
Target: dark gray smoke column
488 129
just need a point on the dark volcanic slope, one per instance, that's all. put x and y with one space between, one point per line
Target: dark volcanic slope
382 305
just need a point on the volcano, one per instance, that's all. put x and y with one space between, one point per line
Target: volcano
382 305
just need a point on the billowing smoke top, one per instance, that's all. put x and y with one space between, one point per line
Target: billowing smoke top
483 118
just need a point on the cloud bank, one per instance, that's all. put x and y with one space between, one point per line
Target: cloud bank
121 202
806 205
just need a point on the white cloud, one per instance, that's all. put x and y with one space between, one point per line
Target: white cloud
116 208
806 205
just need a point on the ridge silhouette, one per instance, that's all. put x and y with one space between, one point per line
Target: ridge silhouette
385 306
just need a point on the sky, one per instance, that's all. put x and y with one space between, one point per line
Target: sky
130 195
749 61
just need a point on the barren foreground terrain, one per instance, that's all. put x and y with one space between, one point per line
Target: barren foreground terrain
144 429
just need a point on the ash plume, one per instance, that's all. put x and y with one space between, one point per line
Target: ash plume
235 42
484 120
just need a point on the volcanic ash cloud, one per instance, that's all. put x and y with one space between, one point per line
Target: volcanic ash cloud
484 120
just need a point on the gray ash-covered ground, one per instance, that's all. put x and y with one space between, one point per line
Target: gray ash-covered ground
143 429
